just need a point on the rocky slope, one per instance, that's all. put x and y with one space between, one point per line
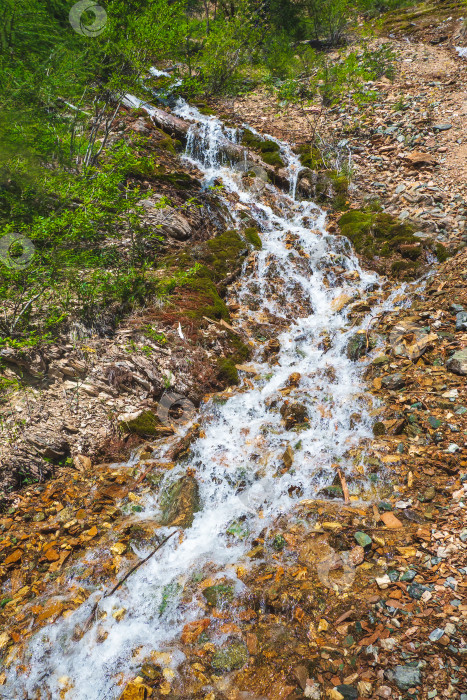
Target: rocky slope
391 620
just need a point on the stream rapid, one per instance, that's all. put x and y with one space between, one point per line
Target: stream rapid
292 286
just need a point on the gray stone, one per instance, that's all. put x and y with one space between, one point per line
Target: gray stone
358 346
461 321
393 381
408 575
436 634
458 362
442 127
405 677
416 590
348 691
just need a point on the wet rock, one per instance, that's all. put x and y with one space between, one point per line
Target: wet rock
271 348
381 360
393 381
461 321
293 414
408 575
429 494
334 694
348 692
180 502
458 362
230 658
355 419
151 672
279 543
436 635
363 539
390 520
135 691
379 428
217 595
359 345
333 491
405 677
288 457
416 590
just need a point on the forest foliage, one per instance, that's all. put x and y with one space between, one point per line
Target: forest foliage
71 193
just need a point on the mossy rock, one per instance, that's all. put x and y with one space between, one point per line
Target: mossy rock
375 233
331 187
401 268
181 181
379 429
442 253
204 108
269 150
230 658
171 145
359 345
273 159
310 157
252 236
250 140
145 424
219 594
269 147
180 502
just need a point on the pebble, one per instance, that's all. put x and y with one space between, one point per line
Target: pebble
416 590
461 321
312 690
436 635
363 539
408 575
383 581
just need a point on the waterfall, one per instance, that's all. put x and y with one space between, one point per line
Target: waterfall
292 288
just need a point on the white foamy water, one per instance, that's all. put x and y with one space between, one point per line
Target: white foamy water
295 279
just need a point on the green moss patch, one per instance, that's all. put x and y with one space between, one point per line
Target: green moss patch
252 236
144 425
171 145
223 253
181 181
388 243
269 150
310 157
376 233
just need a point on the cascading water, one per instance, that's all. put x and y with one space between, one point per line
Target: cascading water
294 284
